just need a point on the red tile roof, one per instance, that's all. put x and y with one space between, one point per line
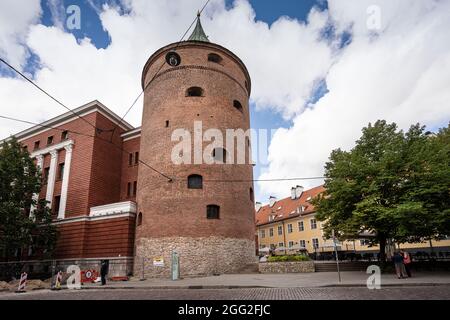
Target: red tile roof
287 208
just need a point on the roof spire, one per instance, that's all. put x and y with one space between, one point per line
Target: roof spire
199 33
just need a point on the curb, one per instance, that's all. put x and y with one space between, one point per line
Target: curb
197 287
201 287
386 285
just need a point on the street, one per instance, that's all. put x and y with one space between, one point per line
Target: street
331 293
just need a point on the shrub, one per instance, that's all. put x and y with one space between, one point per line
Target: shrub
288 258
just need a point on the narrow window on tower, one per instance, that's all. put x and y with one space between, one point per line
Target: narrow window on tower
220 155
212 57
237 105
195 181
194 92
129 189
167 123
252 197
136 158
213 211
134 188
139 219
130 159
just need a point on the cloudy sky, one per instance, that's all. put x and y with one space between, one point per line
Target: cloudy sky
320 70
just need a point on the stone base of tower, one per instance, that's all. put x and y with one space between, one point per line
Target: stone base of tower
197 256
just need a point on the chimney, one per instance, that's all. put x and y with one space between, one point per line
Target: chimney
258 206
298 191
293 193
272 201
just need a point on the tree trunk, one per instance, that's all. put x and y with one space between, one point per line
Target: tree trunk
382 253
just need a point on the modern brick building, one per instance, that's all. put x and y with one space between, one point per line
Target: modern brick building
108 202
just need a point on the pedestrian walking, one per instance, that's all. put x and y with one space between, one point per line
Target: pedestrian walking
399 265
407 263
104 271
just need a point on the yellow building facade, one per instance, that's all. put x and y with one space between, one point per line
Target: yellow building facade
291 223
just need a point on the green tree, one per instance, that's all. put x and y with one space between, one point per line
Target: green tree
19 180
392 184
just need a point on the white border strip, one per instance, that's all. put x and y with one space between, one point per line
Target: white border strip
88 218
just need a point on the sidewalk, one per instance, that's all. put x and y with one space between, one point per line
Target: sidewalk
291 280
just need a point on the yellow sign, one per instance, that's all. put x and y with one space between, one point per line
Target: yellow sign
158 262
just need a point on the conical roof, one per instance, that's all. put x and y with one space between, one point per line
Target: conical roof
199 33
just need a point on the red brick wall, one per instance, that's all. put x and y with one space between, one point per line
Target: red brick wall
91 239
104 187
95 179
129 173
80 170
171 209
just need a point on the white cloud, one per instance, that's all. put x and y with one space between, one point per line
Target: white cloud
76 71
402 74
58 12
16 16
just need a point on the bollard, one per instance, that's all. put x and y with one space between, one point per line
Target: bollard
58 281
22 283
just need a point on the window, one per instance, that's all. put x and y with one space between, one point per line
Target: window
301 226
252 196
194 92
315 243
364 242
64 135
134 188
212 57
290 228
139 219
25 149
129 189
46 173
56 205
136 157
237 105
280 230
60 171
195 181
280 244
291 244
50 140
271 232
313 224
130 159
173 59
36 145
212 211
263 233
302 243
167 123
220 155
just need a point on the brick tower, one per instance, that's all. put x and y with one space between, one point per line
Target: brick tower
208 222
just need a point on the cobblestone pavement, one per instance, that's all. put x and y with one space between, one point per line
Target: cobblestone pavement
345 293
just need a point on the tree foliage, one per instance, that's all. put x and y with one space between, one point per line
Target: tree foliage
19 180
393 184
